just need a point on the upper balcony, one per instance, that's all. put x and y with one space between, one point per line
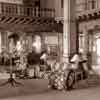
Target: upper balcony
84 13
27 18
21 10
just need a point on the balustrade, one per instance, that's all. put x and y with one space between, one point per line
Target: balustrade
86 8
21 10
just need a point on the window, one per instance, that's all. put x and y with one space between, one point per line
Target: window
91 4
81 5
62 1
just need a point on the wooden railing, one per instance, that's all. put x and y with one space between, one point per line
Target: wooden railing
83 11
21 10
84 6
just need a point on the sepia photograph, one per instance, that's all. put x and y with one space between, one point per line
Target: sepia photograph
49 49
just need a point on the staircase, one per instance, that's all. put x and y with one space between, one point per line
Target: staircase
93 80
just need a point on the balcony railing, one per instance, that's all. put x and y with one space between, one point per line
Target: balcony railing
86 9
21 10
88 12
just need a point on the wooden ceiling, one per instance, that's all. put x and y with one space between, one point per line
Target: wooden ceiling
29 24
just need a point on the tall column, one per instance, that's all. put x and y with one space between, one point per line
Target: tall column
86 52
0 43
86 42
69 30
66 31
4 39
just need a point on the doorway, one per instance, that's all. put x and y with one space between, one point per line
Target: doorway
94 49
98 50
